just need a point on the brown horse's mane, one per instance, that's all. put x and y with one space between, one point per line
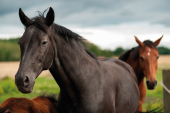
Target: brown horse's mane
124 56
51 97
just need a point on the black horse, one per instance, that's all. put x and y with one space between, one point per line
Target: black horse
87 85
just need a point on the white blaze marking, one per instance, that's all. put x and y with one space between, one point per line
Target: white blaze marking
149 52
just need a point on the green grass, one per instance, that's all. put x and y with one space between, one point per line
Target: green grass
156 95
48 84
42 84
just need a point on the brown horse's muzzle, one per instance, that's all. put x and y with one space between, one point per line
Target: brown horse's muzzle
24 84
151 85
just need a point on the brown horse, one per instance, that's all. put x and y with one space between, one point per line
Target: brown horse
143 60
41 104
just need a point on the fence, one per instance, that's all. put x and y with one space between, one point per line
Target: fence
166 86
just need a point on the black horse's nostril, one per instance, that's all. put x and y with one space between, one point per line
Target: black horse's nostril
26 82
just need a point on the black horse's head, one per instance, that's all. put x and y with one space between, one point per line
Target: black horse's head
36 50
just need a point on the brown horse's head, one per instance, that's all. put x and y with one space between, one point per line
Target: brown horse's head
42 104
37 52
148 56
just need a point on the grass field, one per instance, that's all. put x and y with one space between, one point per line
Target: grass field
47 84
42 84
156 95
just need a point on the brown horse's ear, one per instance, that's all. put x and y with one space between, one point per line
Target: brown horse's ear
158 41
24 19
138 41
50 17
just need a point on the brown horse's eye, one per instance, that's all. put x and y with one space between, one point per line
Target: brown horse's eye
141 58
44 42
157 57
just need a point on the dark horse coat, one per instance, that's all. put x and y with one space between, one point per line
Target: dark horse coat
87 85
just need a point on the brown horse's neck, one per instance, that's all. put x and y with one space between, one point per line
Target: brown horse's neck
71 74
136 67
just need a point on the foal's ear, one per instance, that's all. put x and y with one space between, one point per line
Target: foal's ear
138 41
158 41
24 19
50 17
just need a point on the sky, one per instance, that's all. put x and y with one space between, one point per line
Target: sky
106 23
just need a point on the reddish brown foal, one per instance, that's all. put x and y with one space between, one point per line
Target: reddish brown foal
143 59
40 104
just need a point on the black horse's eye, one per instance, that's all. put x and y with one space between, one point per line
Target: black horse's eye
141 58
157 57
44 42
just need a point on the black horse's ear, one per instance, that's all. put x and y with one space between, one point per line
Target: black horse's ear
50 17
24 19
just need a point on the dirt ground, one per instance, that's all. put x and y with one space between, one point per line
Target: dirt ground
10 68
164 61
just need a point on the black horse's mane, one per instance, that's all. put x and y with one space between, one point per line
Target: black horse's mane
40 22
124 56
92 54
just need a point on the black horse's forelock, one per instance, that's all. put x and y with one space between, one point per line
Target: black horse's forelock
135 55
40 22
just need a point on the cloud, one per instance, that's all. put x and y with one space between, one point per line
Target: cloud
107 23
122 35
94 12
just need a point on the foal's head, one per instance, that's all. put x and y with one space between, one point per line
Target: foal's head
17 105
36 49
148 56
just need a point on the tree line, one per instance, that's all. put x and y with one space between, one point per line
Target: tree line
10 51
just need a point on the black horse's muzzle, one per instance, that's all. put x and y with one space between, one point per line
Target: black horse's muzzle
151 85
24 84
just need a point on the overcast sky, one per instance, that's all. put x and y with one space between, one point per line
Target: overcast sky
107 23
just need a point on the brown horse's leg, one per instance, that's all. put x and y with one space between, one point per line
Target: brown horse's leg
142 89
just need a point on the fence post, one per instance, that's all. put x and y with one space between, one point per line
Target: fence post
166 95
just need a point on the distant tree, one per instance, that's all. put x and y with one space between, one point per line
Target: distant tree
9 50
163 50
118 51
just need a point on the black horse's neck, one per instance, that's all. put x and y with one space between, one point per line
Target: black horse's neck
69 71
